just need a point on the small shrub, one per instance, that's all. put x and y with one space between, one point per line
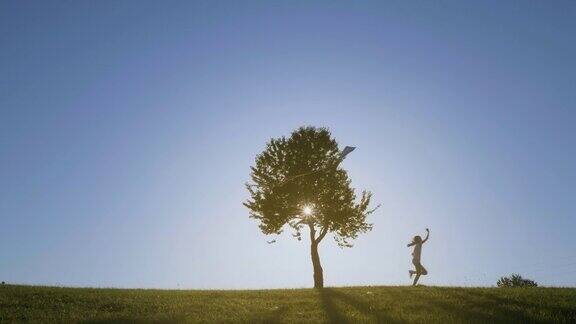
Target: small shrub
515 280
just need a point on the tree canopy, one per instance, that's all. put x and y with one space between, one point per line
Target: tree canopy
298 181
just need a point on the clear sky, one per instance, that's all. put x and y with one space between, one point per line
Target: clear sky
127 130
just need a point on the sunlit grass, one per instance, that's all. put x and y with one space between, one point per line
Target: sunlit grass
372 304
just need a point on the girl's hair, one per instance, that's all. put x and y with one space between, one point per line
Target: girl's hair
417 239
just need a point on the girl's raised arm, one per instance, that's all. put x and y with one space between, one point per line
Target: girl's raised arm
427 234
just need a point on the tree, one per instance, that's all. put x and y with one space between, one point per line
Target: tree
298 182
516 280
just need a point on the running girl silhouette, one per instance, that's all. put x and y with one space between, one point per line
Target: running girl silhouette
420 270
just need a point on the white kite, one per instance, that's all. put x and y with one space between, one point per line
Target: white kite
347 151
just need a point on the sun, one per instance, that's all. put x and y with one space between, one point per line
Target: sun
307 210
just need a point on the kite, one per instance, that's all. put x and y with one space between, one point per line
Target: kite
347 151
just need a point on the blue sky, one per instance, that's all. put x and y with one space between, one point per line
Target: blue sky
127 130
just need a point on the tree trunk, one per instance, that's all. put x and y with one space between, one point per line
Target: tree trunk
318 275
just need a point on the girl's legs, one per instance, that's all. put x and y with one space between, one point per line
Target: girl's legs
420 270
413 272
416 279
423 270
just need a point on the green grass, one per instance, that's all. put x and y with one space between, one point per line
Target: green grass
354 304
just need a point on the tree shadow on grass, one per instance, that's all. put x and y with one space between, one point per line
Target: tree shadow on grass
329 296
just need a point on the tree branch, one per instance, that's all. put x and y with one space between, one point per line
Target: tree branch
322 234
312 233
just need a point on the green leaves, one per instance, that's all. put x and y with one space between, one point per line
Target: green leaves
516 280
303 170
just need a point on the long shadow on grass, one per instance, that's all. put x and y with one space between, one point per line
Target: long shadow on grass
329 297
503 307
469 306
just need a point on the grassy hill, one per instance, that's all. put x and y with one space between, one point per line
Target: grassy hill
353 304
